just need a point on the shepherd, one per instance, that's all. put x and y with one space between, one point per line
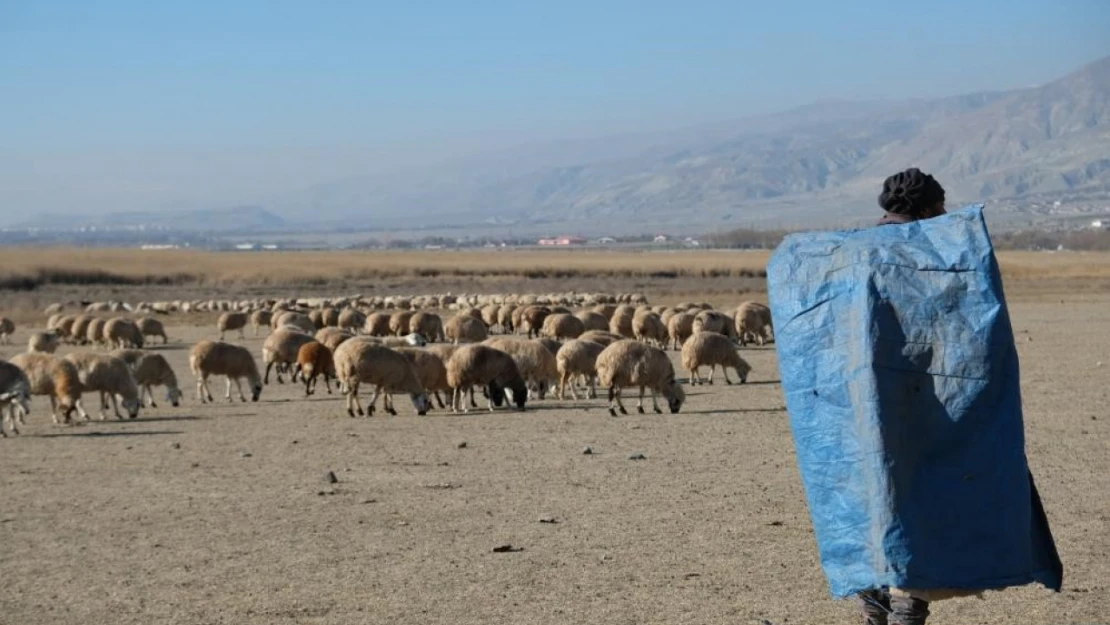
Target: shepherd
901 380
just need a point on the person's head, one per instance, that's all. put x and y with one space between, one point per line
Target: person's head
913 194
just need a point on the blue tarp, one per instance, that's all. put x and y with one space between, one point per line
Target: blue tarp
901 380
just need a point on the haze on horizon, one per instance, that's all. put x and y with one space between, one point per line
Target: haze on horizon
147 106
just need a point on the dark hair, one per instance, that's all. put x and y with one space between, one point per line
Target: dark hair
911 193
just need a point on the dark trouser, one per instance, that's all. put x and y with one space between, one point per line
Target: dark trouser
881 608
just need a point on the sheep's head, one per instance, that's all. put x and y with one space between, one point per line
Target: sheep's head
131 405
421 403
20 399
496 394
416 339
256 391
520 392
173 395
675 396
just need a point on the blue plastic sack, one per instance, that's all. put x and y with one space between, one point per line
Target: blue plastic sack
901 380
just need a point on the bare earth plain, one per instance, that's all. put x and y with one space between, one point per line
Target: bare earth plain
207 514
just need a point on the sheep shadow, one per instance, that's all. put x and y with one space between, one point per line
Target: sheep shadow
167 347
97 433
737 410
145 419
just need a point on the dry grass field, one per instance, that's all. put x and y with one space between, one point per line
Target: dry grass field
208 514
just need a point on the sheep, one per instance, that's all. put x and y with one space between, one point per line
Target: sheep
294 320
603 337
532 319
15 397
377 324
648 327
149 326
359 361
679 327
605 310
55 378
281 348
110 377
409 340
578 358
219 358
80 329
489 314
713 321
153 370
753 320
516 318
317 318
43 342
120 333
552 345
313 360
505 318
399 322
712 349
231 321
562 326
64 327
330 317
465 329
431 370
481 365
621 324
332 337
592 320
350 319
7 329
94 332
535 362
260 318
632 363
426 324
130 357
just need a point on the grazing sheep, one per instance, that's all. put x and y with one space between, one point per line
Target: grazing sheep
43 342
578 358
648 327
444 351
110 377
505 318
360 361
562 326
712 349
431 370
230 322
621 324
409 340
64 328
399 322
94 332
602 337
332 337
465 329
79 332
130 357
261 318
679 327
296 320
317 318
55 378
753 321
489 314
552 345
481 365
714 321
532 319
281 348
516 318
632 363
377 324
120 332
429 325
535 362
153 370
330 317
350 319
314 359
219 358
606 310
52 321
592 320
7 329
15 397
149 326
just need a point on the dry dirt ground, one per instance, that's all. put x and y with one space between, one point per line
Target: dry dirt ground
221 513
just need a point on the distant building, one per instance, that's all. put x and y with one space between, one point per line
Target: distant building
1100 224
662 238
154 246
562 241
246 247
606 240
271 247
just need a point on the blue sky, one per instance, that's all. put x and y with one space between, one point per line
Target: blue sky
136 105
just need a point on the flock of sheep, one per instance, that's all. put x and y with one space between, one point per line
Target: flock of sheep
512 348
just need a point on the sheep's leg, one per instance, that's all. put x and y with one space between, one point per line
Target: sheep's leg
712 369
473 404
612 401
439 400
150 391
655 403
352 399
266 378
221 335
103 406
241 335
593 388
374 400
456 394
308 385
115 406
54 410
228 396
327 383
297 371
281 367
239 387
388 401
640 403
724 371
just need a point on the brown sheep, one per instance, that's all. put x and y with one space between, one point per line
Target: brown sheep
578 358
314 359
534 360
431 370
56 378
281 348
621 324
532 319
80 329
634 364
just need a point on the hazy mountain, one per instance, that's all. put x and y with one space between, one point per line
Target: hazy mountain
817 161
233 219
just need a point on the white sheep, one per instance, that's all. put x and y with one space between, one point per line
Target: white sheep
634 364
360 361
110 377
219 358
43 342
121 332
753 322
281 348
482 365
231 321
534 360
578 358
55 378
149 326
153 370
713 350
